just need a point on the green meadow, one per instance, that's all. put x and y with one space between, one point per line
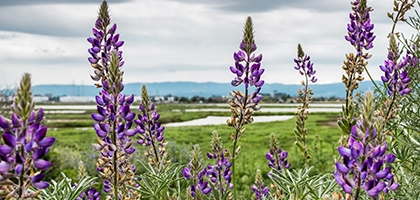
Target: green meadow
74 134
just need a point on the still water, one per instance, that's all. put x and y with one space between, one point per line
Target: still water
210 120
217 120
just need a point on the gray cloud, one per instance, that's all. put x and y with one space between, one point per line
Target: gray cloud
52 20
43 2
252 6
64 18
182 40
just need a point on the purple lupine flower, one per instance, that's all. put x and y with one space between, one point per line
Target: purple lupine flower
305 68
304 65
360 35
109 112
277 156
186 172
104 42
277 160
114 117
107 186
221 168
396 75
202 185
114 120
259 188
151 131
247 70
90 194
365 164
220 174
25 145
360 28
196 173
248 66
149 117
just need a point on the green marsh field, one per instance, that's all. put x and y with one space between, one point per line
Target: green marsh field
74 133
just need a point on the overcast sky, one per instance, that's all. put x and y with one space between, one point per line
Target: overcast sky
182 40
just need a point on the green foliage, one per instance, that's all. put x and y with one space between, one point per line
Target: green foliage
66 189
299 184
405 142
73 145
164 183
406 147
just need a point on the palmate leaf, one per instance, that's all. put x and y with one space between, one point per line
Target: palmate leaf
298 184
322 186
406 147
160 183
65 188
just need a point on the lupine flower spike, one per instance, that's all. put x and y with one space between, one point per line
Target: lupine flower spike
277 156
114 118
259 189
365 165
305 68
24 146
277 160
360 36
220 173
395 76
90 193
196 173
247 71
151 132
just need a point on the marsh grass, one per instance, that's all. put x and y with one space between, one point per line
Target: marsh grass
75 143
169 112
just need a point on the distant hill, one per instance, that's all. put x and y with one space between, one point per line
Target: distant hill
189 89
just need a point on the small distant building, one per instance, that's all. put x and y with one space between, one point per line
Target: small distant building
77 99
157 98
218 99
170 99
40 99
137 98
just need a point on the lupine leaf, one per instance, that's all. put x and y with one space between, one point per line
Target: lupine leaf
154 183
65 188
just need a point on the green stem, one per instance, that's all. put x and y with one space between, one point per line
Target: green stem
349 93
359 179
371 79
395 87
195 181
152 140
22 173
395 22
220 185
115 157
394 97
304 106
21 176
233 164
238 129
234 155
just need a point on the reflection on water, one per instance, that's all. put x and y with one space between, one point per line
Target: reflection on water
64 111
217 120
286 110
278 108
